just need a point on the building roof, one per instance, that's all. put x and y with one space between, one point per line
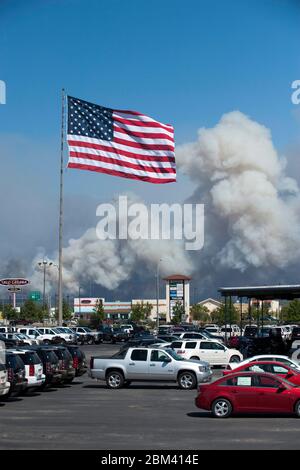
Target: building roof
285 292
177 277
212 301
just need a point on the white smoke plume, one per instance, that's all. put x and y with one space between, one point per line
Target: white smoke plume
243 179
108 263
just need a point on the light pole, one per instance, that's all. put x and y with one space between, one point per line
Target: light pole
157 293
79 301
44 264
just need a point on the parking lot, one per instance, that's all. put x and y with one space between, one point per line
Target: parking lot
86 415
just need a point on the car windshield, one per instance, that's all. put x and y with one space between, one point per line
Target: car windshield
21 336
174 355
207 334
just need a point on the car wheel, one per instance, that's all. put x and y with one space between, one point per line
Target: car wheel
115 379
46 341
297 409
234 359
187 380
221 408
196 358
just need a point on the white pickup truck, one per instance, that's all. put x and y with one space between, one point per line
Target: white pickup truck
148 364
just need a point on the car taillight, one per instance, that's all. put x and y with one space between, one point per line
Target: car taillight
31 370
48 368
92 363
10 374
75 362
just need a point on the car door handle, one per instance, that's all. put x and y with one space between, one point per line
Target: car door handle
132 363
152 365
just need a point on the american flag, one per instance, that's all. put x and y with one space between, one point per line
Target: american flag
121 143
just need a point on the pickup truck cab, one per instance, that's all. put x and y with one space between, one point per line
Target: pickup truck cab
148 364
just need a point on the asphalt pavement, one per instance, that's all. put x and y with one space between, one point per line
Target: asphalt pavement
87 415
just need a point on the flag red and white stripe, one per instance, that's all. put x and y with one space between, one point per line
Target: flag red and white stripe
140 148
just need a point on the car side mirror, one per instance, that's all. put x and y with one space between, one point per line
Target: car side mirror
167 359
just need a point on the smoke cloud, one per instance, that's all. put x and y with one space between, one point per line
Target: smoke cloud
242 178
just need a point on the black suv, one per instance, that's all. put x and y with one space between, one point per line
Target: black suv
15 374
295 333
50 364
65 363
79 361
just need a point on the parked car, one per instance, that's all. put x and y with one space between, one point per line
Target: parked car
15 374
192 335
127 328
250 331
168 338
267 357
230 330
33 368
147 364
295 333
212 352
7 329
144 341
93 336
9 342
50 365
79 360
50 334
120 335
249 392
107 333
210 335
272 367
65 363
32 332
20 338
4 383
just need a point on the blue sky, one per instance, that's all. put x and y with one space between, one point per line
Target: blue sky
184 63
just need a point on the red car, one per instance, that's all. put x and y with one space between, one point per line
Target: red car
272 367
249 392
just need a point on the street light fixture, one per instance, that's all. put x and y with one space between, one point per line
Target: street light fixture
44 264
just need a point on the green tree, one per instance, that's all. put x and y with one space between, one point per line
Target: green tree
10 313
200 313
178 313
98 315
291 311
222 315
140 311
32 311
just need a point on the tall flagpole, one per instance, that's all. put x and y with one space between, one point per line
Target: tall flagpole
60 293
